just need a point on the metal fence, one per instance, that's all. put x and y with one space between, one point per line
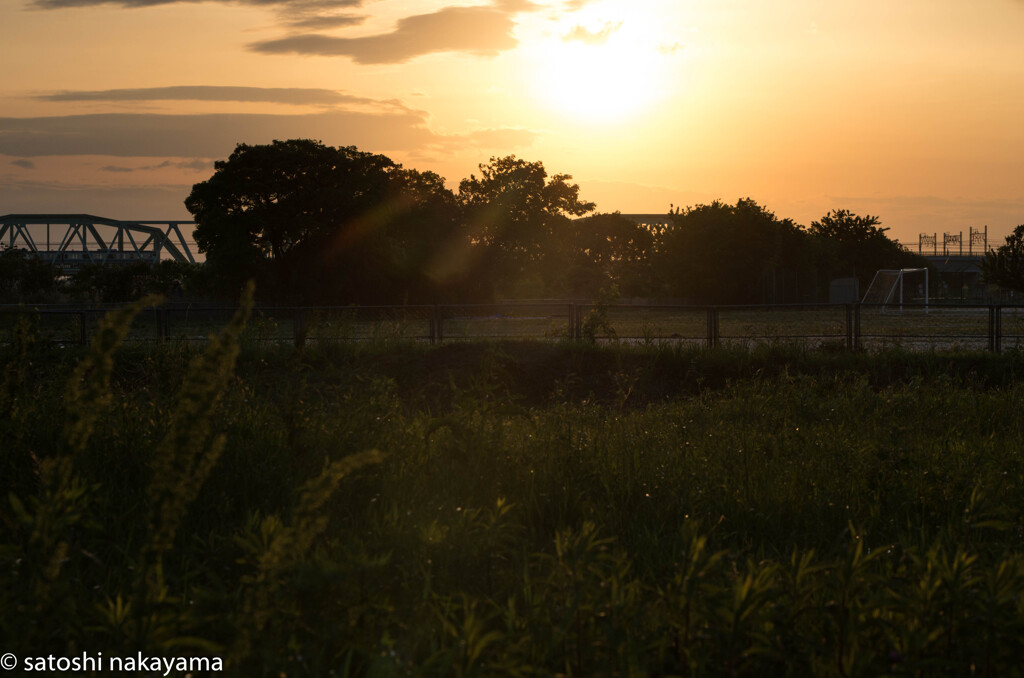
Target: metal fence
844 326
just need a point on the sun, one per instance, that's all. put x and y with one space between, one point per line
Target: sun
601 74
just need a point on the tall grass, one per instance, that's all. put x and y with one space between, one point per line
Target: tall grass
516 509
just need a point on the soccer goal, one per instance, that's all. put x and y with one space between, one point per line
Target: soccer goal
894 286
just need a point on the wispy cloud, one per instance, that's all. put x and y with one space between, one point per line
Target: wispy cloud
588 37
322 22
301 5
196 165
195 137
483 30
117 201
24 163
500 139
302 14
204 135
279 95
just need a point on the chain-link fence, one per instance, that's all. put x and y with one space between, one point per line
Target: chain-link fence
852 326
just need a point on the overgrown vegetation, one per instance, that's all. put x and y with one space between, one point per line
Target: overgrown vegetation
514 509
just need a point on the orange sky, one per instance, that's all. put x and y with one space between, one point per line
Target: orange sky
911 110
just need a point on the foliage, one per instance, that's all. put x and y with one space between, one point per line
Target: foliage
518 218
851 245
742 253
1005 265
120 283
26 278
322 224
727 254
603 250
528 519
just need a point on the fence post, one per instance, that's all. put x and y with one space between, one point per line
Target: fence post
433 324
849 327
299 328
999 329
856 327
712 327
440 324
572 321
81 327
992 328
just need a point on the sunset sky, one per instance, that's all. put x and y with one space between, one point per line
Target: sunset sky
910 110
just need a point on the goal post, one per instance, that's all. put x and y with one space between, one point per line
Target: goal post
886 287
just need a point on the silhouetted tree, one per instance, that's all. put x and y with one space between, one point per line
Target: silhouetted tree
1005 265
728 254
25 277
852 245
315 223
605 250
116 283
519 223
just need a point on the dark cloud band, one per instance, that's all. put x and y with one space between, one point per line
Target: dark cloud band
215 135
483 30
302 5
280 95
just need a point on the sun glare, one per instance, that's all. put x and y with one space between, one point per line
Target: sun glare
602 73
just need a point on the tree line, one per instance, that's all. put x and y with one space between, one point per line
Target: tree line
315 224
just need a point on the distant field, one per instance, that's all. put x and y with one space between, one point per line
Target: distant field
535 508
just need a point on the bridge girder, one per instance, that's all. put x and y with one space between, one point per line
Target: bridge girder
102 240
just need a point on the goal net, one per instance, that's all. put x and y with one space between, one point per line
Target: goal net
898 286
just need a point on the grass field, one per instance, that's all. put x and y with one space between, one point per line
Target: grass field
515 508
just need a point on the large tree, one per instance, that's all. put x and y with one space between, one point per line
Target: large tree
519 221
729 254
315 223
606 250
856 246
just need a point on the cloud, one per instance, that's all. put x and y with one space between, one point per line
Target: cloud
196 165
587 37
315 14
116 202
293 5
24 163
279 95
203 135
319 21
481 30
501 138
215 135
516 5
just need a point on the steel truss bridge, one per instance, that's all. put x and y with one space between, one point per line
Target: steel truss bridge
73 240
